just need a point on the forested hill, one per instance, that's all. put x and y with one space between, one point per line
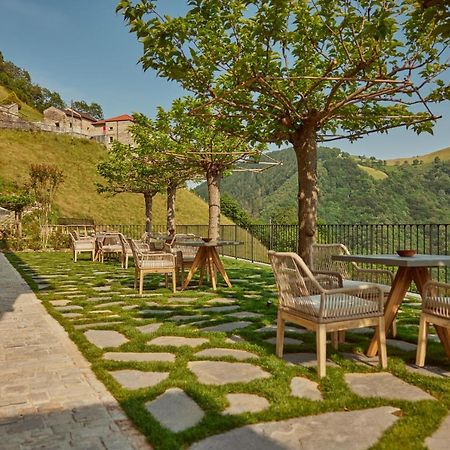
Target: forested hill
352 189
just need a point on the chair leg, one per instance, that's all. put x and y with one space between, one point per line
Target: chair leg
335 339
93 255
321 349
141 282
174 281
341 337
394 328
280 336
135 277
75 256
381 338
422 342
126 261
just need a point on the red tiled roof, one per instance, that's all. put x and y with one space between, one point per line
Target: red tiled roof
122 118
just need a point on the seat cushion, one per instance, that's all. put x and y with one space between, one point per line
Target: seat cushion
355 283
156 264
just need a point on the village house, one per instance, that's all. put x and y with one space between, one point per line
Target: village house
69 120
113 129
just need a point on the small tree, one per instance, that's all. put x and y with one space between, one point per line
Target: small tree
17 202
45 180
196 144
128 169
299 72
94 109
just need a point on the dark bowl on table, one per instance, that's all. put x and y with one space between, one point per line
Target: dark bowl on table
407 253
206 239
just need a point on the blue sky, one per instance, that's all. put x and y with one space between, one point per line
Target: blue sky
83 50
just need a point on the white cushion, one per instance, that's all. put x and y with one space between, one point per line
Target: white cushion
355 283
156 264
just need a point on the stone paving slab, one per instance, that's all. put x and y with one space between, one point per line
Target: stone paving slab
402 345
322 432
288 329
149 328
304 388
240 355
105 338
136 379
428 371
440 439
385 385
175 410
228 326
221 301
50 398
245 403
306 359
219 372
287 341
177 341
245 315
86 326
220 309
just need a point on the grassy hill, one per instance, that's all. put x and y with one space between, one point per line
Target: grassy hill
26 112
443 154
77 197
350 191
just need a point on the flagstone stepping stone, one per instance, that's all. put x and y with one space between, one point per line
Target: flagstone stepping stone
222 301
105 305
72 315
140 357
68 308
97 272
440 439
137 379
251 296
362 359
245 403
152 304
101 311
228 326
177 341
321 432
220 308
195 324
245 315
181 318
102 288
306 359
287 341
220 372
428 371
402 345
149 328
85 326
384 385
234 338
105 338
363 330
156 312
304 388
240 355
175 410
59 302
43 286
98 299
129 307
273 329
76 296
182 299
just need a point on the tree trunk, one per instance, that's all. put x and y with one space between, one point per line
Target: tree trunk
18 223
213 180
305 146
148 196
171 198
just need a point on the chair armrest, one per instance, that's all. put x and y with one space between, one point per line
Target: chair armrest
328 274
375 275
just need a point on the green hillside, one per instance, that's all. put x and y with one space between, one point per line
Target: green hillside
26 112
443 154
348 193
77 197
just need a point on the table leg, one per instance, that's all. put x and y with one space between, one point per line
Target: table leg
399 288
212 271
199 260
220 267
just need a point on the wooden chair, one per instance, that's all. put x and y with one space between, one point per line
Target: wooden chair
109 245
349 275
82 245
304 301
184 254
151 262
127 252
435 310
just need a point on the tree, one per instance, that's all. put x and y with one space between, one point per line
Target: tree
128 169
198 145
44 182
17 202
234 211
298 71
93 109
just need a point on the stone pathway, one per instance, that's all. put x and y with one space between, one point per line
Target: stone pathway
49 397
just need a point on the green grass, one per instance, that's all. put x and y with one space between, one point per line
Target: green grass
26 112
253 285
443 154
374 173
77 196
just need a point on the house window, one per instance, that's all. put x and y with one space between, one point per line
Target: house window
111 139
70 125
111 128
57 124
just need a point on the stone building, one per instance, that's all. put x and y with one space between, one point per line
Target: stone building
113 129
69 120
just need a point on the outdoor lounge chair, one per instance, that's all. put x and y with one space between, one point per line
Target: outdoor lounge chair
349 275
435 310
304 301
82 245
184 254
152 262
109 245
127 252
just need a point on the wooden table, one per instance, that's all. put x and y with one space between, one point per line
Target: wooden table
207 260
415 268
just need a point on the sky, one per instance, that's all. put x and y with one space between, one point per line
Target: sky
83 50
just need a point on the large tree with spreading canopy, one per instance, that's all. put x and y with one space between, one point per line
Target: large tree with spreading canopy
298 72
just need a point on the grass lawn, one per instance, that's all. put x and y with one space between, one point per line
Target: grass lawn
253 286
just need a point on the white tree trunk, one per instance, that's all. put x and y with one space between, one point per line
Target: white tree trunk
213 180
